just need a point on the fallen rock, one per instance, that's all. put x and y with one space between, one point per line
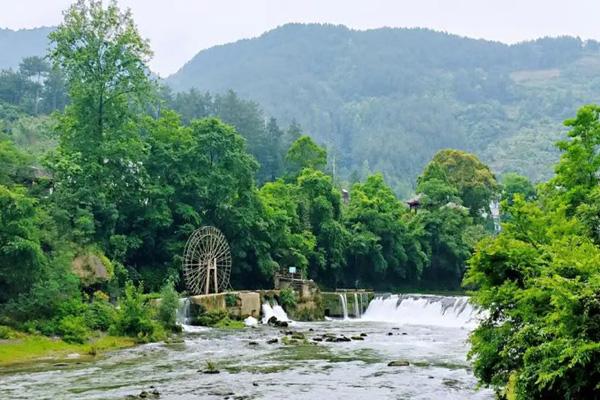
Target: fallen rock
317 339
363 334
357 338
398 363
252 343
390 334
272 341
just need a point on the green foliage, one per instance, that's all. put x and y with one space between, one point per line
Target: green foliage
21 256
169 302
473 181
73 329
305 153
513 183
538 282
287 298
134 316
382 245
100 313
218 319
231 299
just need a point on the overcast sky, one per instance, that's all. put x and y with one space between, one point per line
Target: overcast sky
178 29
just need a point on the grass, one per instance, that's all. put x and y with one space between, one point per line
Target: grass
24 348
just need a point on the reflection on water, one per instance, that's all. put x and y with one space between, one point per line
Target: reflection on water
347 370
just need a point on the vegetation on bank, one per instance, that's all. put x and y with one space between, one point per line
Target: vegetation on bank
18 347
101 211
539 281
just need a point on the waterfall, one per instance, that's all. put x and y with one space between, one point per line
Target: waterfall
449 311
344 304
357 310
274 310
183 316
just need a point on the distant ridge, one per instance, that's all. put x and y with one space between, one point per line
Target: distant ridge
387 99
17 44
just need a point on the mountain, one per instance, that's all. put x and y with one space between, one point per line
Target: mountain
387 99
15 45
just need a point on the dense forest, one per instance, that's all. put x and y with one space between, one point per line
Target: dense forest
415 90
104 173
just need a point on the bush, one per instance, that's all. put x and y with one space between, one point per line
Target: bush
134 316
73 329
6 332
167 308
287 297
100 313
231 299
211 318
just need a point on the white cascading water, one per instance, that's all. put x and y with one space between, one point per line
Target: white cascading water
274 310
357 307
183 316
344 304
409 309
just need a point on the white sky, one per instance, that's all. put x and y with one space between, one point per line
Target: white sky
178 29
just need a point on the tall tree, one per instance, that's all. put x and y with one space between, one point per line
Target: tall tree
473 180
305 153
98 165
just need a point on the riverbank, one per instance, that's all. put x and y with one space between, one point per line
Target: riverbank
22 348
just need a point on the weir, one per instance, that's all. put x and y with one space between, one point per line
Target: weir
418 309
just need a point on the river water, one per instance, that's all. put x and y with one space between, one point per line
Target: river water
250 368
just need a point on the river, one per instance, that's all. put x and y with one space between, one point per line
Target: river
250 368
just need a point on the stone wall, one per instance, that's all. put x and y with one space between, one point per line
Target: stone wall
237 304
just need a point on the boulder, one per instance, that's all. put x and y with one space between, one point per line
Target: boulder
398 363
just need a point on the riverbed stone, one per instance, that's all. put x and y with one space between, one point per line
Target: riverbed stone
398 363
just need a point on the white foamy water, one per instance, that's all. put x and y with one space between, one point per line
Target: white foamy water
408 309
274 310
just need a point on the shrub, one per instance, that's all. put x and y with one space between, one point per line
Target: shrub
134 315
169 301
6 332
287 297
100 313
73 329
211 318
231 299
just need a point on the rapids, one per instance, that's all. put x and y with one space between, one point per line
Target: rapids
348 370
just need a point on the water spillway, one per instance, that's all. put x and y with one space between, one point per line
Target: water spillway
275 310
417 309
183 315
344 304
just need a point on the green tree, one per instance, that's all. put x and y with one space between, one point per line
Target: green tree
576 172
21 256
305 153
513 183
473 180
98 164
382 247
35 69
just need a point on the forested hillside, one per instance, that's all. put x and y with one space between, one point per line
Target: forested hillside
16 45
388 99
